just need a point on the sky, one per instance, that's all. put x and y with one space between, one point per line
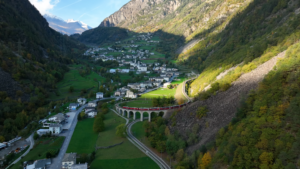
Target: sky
91 12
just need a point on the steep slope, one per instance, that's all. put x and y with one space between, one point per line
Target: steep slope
222 107
100 35
33 59
179 17
68 27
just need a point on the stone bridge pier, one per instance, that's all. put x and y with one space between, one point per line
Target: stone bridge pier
128 113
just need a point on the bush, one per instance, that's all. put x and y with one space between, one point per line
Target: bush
201 112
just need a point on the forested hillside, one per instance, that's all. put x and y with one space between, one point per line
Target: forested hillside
259 32
33 58
265 132
100 35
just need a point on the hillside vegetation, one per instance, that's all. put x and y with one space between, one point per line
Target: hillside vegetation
33 59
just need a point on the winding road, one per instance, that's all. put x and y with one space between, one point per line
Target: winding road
160 162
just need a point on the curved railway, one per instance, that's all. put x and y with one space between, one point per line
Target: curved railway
157 108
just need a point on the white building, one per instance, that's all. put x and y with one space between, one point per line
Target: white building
41 132
91 113
69 160
55 128
57 118
92 104
81 101
73 106
99 95
112 71
131 94
166 84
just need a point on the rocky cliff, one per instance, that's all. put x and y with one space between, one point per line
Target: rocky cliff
179 17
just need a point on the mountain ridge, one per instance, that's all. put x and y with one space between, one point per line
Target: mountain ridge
68 27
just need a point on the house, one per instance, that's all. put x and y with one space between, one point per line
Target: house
156 83
80 166
174 69
112 71
87 109
41 132
142 68
130 94
81 101
91 113
39 164
73 106
176 73
166 84
92 104
118 93
167 79
99 95
57 118
55 128
69 160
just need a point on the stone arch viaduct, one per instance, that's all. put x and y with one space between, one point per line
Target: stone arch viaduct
128 111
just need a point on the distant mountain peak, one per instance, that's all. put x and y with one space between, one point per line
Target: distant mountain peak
68 27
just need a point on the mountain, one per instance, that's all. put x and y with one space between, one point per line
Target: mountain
246 97
68 27
102 34
33 58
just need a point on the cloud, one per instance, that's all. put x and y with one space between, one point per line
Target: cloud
44 5
69 4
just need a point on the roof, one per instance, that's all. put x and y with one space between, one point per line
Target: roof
79 166
59 116
73 104
42 163
69 157
54 125
99 93
41 130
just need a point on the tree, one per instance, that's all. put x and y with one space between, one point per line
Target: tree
71 89
121 129
205 161
179 155
2 139
98 125
35 136
180 101
167 131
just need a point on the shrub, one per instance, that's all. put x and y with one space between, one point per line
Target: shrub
201 112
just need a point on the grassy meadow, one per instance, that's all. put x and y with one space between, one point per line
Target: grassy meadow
125 155
40 149
84 138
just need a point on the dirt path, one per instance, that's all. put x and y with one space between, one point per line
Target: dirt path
188 46
223 106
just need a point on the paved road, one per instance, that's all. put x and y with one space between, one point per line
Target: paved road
57 161
31 140
184 92
160 162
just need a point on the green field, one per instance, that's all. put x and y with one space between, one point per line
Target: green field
160 93
40 149
125 155
139 103
182 79
73 78
139 132
83 139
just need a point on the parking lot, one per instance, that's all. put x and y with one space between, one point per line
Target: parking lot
69 120
18 144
